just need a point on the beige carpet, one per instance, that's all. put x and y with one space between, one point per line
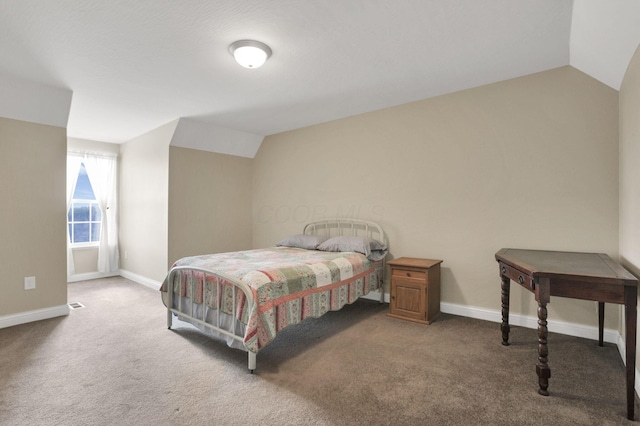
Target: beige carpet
115 363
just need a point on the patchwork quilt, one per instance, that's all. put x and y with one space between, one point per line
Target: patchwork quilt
288 285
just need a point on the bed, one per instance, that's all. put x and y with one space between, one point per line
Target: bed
245 298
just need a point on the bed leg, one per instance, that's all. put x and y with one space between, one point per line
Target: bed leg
252 361
169 319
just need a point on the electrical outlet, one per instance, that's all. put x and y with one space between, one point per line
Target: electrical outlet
29 283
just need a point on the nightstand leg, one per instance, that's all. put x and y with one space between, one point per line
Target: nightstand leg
505 310
543 370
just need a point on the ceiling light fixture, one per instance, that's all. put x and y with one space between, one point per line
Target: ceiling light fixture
250 53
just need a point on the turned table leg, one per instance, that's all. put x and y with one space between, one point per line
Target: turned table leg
505 310
543 370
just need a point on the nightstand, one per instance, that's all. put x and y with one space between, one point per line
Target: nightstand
415 289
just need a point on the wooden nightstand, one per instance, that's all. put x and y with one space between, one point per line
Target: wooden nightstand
415 289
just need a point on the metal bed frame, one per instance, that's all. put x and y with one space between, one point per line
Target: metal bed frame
328 228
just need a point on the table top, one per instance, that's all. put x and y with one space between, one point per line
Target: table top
560 264
414 262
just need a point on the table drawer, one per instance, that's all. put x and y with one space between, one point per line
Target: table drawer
517 276
408 273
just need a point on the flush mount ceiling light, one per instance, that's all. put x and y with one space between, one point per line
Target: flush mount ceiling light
250 53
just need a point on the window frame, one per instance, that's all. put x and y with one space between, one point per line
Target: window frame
84 244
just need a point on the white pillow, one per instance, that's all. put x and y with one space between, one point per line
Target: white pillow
373 249
303 241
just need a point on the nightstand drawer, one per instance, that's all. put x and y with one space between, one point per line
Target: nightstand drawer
408 273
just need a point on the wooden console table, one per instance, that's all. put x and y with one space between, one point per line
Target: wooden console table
589 276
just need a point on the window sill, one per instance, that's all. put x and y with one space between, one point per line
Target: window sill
84 246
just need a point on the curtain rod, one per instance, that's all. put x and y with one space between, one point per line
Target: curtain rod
92 153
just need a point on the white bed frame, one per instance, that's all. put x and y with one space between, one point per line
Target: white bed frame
221 324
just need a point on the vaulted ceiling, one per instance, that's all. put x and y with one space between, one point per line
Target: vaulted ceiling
135 65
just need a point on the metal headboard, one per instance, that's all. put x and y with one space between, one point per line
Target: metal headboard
346 227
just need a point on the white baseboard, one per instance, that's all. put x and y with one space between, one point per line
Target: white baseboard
36 315
147 282
561 327
91 276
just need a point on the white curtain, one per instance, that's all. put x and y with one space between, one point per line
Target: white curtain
73 168
102 173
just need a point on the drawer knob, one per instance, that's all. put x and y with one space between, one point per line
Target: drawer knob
503 270
521 279
408 274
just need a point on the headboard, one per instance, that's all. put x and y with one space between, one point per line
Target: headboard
346 227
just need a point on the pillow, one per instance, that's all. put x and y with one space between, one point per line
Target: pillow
373 249
303 241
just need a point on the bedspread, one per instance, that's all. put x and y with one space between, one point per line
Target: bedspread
288 285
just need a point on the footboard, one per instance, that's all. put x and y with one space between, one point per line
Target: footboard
202 296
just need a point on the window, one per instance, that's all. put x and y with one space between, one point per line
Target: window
84 216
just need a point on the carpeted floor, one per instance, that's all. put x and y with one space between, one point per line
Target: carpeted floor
114 362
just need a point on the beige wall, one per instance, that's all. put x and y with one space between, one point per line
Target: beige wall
144 183
177 202
33 212
629 170
85 261
529 163
209 203
629 166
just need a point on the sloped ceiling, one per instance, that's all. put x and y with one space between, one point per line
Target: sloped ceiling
135 65
604 37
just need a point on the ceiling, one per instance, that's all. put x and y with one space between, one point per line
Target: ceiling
135 65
